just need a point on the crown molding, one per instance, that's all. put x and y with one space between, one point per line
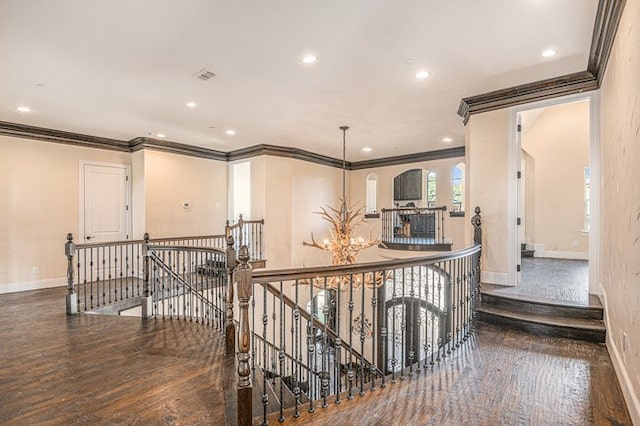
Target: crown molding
140 143
59 136
409 158
604 32
137 144
525 93
282 151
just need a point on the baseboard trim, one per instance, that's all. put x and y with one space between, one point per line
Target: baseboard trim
574 255
630 397
32 285
497 278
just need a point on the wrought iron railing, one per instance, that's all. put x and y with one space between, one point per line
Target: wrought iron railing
421 227
331 332
246 232
104 274
188 283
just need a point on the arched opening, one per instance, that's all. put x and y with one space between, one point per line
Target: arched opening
415 315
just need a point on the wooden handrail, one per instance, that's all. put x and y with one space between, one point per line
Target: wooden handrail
420 209
265 276
213 250
155 240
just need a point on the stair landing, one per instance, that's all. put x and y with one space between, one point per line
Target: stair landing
581 321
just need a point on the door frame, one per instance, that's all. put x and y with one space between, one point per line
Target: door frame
81 200
594 165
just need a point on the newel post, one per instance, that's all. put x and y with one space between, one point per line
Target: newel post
242 277
72 299
230 326
476 221
147 308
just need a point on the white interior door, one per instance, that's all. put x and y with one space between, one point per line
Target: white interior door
106 202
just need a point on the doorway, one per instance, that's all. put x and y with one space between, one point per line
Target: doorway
554 155
105 197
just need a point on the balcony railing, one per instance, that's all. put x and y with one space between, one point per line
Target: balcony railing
109 276
415 228
320 335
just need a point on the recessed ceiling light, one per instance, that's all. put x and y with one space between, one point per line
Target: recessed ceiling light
161 135
421 75
192 104
548 53
23 108
367 149
409 61
309 59
447 139
230 132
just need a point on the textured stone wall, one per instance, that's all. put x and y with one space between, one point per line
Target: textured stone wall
620 202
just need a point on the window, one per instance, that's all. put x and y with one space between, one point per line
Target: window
241 179
587 195
457 187
371 194
431 189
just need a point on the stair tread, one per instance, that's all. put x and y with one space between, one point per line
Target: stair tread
593 304
578 323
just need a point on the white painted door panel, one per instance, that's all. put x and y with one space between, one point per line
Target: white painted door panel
105 203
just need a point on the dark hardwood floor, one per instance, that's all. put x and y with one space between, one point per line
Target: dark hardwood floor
94 369
555 280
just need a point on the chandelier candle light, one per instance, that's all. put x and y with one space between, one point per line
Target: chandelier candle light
343 246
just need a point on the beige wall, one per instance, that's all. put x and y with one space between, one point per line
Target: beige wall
287 193
558 142
39 187
487 152
620 201
39 192
169 181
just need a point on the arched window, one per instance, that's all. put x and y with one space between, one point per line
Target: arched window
372 194
431 188
457 187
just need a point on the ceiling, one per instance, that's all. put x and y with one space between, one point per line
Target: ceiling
124 68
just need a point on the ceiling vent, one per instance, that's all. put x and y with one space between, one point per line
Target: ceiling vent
203 74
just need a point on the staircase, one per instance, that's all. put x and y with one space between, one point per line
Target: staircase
524 252
543 317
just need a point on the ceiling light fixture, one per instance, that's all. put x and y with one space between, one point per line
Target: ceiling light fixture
548 53
447 139
161 135
192 104
421 75
343 246
309 59
23 108
367 149
230 132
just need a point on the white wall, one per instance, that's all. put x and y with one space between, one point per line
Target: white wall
620 200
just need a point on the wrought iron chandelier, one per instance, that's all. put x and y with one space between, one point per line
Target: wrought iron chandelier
343 245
